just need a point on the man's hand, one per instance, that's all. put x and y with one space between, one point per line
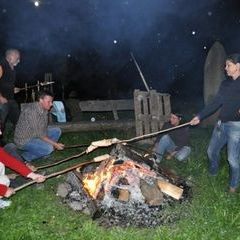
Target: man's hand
9 192
36 177
3 100
59 146
195 121
16 90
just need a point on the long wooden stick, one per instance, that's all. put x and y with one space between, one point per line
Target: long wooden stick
76 146
140 72
81 164
153 134
121 141
61 161
60 172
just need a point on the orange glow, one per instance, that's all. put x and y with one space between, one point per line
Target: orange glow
107 171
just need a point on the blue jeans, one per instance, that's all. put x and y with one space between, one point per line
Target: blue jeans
226 133
12 149
166 144
37 148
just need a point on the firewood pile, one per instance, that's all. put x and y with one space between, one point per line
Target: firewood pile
125 189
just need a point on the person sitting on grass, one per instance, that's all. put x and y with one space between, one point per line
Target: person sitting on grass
175 142
32 134
16 165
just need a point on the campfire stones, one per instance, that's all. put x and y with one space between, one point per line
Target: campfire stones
63 189
129 202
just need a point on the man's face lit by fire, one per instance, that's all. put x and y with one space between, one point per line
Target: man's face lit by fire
232 69
46 102
13 58
174 120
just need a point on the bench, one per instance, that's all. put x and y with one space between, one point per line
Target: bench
113 106
107 106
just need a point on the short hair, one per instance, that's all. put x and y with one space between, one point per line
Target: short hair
234 58
179 115
43 94
11 51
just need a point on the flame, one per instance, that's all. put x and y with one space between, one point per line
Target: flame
93 182
108 172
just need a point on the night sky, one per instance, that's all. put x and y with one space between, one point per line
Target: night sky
87 43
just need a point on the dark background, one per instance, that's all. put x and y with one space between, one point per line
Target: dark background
87 43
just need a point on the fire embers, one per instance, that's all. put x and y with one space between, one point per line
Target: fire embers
123 190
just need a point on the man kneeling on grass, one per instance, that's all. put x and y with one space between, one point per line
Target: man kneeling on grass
32 134
16 165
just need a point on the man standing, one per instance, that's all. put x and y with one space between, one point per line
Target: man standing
227 129
8 106
32 134
175 143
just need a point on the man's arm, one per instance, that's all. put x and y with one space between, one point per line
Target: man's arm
58 146
3 100
212 107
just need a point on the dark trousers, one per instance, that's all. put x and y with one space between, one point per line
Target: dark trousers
9 110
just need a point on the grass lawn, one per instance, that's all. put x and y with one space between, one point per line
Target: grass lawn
37 213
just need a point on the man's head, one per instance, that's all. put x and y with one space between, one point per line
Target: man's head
45 99
175 119
233 66
13 57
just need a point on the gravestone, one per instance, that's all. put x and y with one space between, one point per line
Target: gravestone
213 76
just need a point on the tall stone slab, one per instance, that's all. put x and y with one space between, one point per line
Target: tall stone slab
214 74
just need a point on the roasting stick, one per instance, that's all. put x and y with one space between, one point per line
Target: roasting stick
76 146
65 159
54 164
55 174
61 161
92 147
105 143
154 133
109 142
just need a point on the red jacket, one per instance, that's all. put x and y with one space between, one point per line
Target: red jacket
13 164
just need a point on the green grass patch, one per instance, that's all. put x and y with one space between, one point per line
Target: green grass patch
212 213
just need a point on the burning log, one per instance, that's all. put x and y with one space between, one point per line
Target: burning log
75 178
124 195
127 190
151 192
170 189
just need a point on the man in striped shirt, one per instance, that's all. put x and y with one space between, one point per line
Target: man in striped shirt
32 134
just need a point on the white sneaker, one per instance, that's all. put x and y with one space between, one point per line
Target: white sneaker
5 203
